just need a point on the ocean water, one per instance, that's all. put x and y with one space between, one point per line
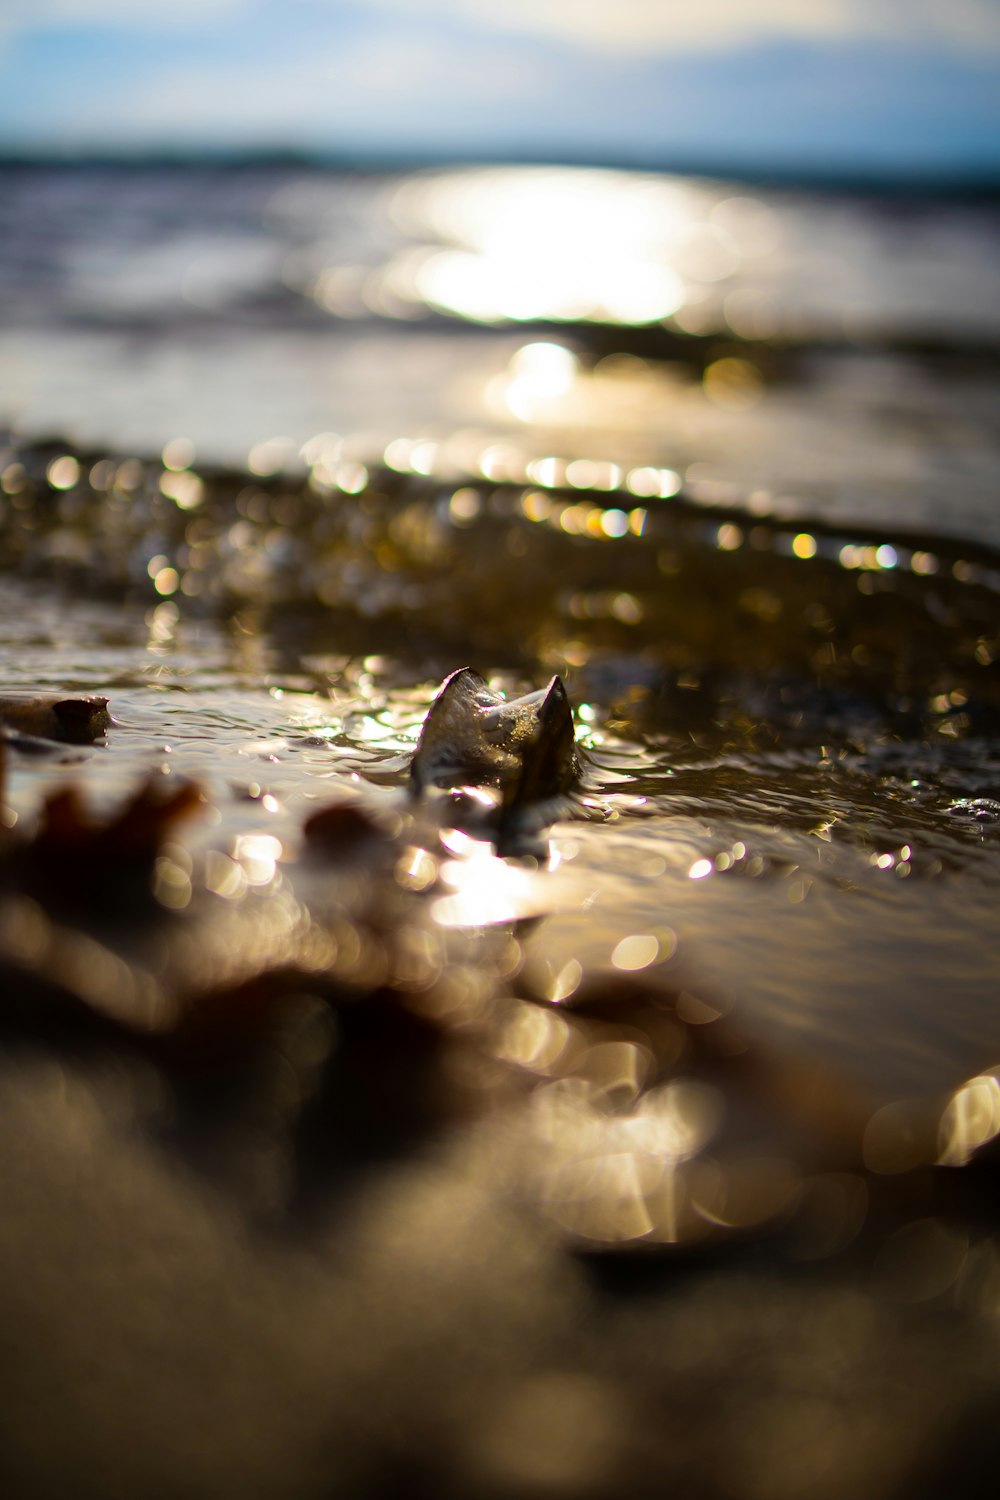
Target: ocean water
709 1063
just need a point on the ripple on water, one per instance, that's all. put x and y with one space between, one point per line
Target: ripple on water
785 814
832 876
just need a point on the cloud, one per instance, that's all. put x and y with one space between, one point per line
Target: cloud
124 16
156 16
392 86
624 26
663 26
627 77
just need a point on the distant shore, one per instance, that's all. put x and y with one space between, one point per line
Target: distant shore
960 182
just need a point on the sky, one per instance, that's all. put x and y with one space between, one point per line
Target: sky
899 87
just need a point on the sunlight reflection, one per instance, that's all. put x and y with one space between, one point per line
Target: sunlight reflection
271 455
184 488
178 453
538 375
970 1119
613 1177
649 483
555 244
63 473
258 855
485 889
636 952
533 1038
733 384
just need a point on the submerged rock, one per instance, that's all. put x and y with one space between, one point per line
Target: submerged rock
75 720
518 754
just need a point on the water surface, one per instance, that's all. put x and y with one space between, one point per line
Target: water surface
287 448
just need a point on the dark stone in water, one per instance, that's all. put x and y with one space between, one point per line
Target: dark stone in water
77 721
340 830
521 750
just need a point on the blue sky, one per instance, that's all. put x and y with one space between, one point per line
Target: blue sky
870 85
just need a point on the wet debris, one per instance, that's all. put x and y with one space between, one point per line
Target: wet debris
76 862
77 721
514 758
44 723
341 830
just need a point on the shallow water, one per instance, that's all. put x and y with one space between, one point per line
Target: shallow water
794 748
736 1000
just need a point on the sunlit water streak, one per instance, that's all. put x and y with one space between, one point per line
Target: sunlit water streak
247 312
